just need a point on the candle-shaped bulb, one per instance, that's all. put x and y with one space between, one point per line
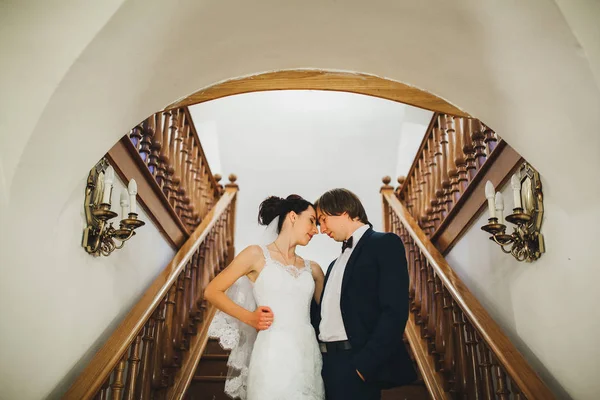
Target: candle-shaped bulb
124 204
109 178
490 193
132 188
499 207
515 183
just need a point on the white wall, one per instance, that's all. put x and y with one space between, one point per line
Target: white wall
307 142
518 66
58 303
548 308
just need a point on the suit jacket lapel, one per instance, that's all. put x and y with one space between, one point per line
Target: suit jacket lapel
353 256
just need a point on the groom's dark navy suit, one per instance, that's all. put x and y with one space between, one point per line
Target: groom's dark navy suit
374 305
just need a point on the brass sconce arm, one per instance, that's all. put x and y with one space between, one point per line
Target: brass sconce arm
99 235
526 241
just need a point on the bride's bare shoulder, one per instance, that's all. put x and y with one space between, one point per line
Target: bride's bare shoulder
252 252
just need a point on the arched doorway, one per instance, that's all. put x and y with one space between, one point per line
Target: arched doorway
323 80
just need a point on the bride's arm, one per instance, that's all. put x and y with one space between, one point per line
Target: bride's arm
319 278
241 265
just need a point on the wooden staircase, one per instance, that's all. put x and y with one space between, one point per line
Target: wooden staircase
209 379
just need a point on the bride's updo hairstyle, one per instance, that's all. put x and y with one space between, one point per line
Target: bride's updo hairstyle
273 207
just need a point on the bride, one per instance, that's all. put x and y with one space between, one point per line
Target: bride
285 360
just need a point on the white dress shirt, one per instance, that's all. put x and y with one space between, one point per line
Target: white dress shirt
332 328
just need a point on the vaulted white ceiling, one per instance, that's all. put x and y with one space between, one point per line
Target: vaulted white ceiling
306 142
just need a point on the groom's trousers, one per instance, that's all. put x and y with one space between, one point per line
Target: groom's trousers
341 380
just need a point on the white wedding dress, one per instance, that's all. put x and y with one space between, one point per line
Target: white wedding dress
285 363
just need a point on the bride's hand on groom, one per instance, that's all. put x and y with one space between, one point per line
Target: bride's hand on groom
262 318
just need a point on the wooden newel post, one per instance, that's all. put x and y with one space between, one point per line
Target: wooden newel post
232 188
386 189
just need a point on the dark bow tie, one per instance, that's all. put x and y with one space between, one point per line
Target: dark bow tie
347 244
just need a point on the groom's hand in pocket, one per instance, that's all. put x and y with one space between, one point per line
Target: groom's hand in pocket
262 318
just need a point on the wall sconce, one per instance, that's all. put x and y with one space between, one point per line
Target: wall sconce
526 240
99 236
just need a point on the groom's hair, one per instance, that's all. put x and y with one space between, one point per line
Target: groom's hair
339 201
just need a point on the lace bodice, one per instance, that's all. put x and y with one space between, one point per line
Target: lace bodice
287 289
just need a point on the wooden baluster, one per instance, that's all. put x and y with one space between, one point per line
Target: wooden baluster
439 189
410 252
146 140
402 196
135 136
143 388
424 311
223 236
478 137
461 159
204 279
192 182
469 148
187 300
193 298
449 366
517 395
159 380
169 189
452 167
416 194
418 285
427 209
133 368
423 193
197 192
431 199
486 370
446 186
431 312
177 324
474 382
162 128
461 351
103 392
441 326
202 192
118 384
501 385
183 188
169 350
490 139
176 162
154 146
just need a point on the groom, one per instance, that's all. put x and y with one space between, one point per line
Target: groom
364 307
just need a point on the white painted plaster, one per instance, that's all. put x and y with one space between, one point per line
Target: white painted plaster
518 66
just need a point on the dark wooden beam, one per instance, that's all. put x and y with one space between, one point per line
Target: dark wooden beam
498 169
127 163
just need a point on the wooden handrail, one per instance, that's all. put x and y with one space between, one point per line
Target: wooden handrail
510 360
214 228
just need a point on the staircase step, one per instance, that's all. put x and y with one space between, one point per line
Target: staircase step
408 392
213 347
211 388
207 388
212 365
